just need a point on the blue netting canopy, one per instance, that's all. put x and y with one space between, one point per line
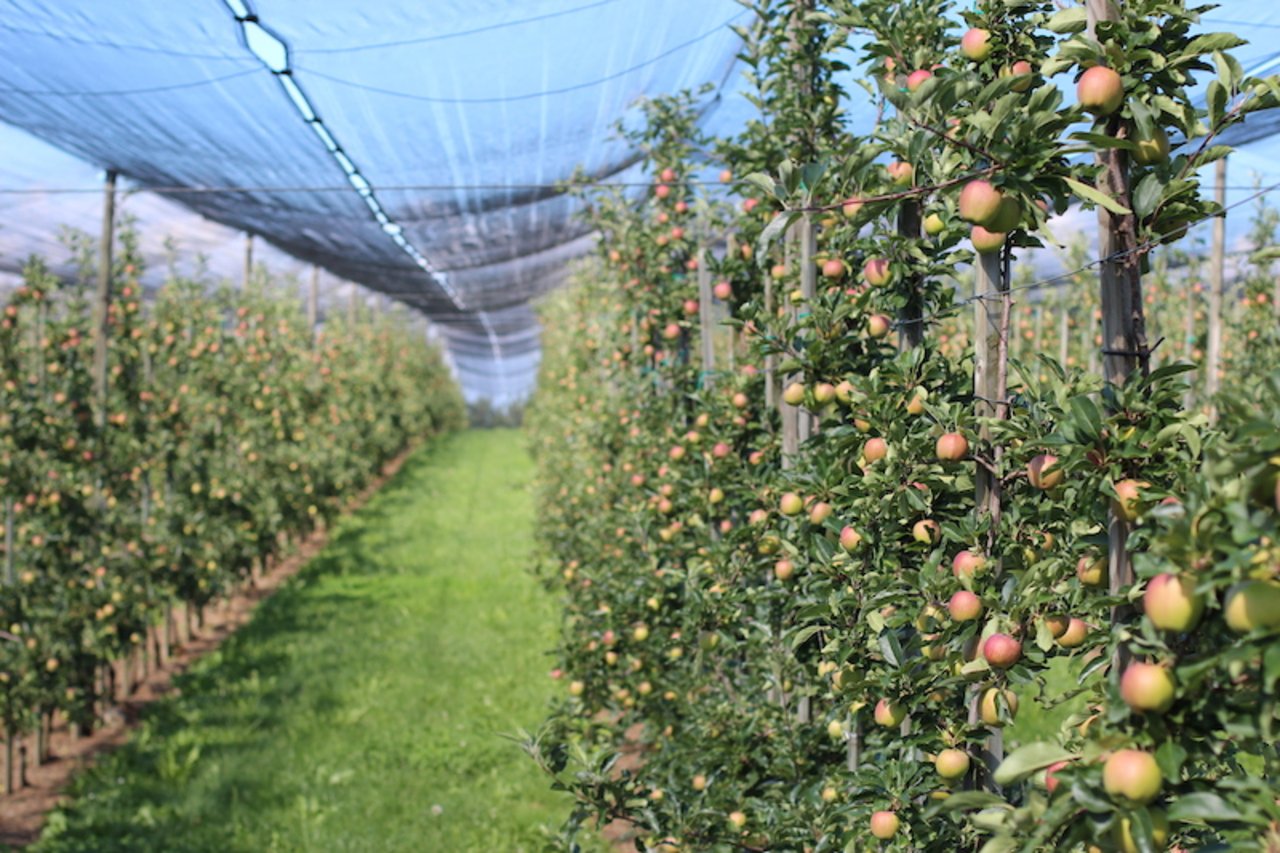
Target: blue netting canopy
412 148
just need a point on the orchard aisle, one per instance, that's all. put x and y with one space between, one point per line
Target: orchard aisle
363 707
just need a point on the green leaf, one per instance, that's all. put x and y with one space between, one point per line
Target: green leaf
1099 198
1170 756
804 634
1025 760
962 800
1203 806
891 649
1073 19
1146 195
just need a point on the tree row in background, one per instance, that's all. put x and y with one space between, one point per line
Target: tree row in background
229 427
868 568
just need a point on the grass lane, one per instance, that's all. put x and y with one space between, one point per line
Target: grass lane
363 707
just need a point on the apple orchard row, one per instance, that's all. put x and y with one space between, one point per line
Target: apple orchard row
830 584
228 425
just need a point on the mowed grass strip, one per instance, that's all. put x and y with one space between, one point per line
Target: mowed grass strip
363 708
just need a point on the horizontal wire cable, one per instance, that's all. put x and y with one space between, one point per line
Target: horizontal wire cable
150 90
142 48
565 187
502 99
456 34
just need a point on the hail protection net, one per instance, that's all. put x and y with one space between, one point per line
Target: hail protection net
413 148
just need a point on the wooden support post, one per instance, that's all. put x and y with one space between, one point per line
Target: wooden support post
1217 274
790 414
9 768
770 360
911 317
807 241
313 301
248 262
1124 337
705 319
990 347
102 299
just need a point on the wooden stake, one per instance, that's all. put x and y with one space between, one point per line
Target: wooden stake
102 298
248 262
1124 337
990 347
770 360
705 320
911 317
808 242
313 302
1217 274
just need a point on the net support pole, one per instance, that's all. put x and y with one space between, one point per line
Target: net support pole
102 298
1217 275
1124 338
808 245
705 319
989 348
248 262
911 317
790 414
313 300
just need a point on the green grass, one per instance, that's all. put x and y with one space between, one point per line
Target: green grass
363 707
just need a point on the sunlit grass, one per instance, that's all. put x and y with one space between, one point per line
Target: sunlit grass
363 707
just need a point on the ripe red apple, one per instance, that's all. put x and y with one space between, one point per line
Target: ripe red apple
1008 216
791 504
720 450
1051 780
976 44
876 272
979 202
1042 473
985 242
964 606
726 176
1127 502
1092 571
833 268
884 825
966 564
778 270
676 453
951 447
740 400
823 393
989 706
1075 635
662 190
1100 91
901 173
875 449
1057 624
723 290
1001 651
951 763
878 326
890 713
819 512
784 569
1132 776
849 538
668 175
690 306
1251 605
1022 71
1147 687
1171 602
926 531
671 331
916 78
851 208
